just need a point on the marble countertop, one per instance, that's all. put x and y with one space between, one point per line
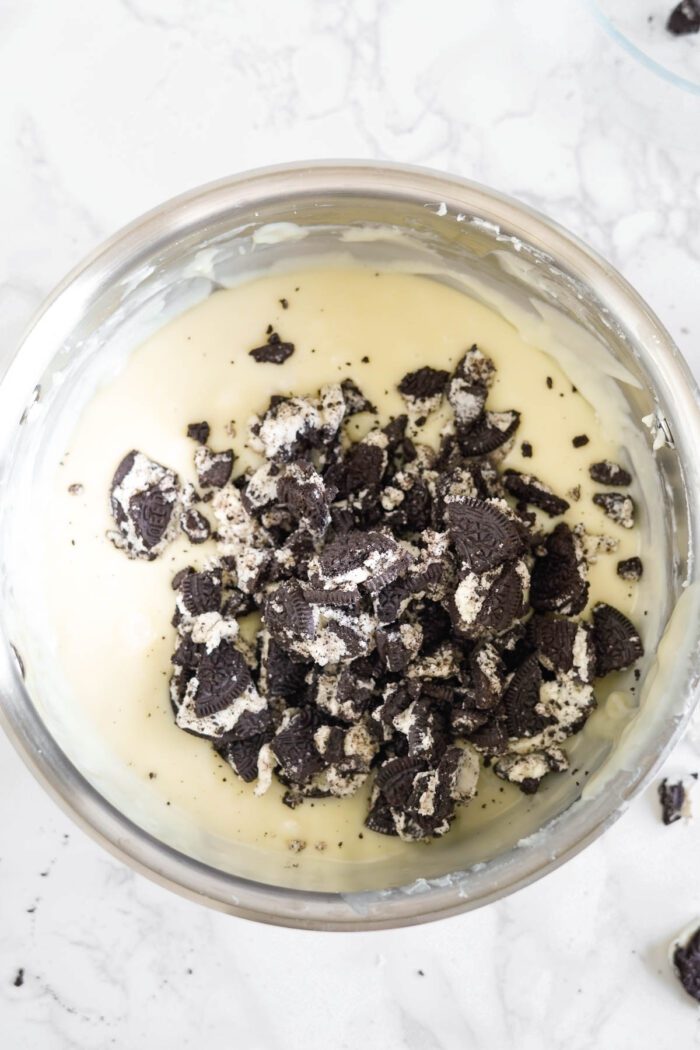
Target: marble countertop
105 110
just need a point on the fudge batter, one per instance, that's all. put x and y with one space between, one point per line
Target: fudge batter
394 345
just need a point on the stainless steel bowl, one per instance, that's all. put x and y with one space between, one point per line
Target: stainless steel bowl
156 267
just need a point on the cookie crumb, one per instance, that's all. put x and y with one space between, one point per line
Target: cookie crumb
274 352
618 506
608 473
674 799
199 432
684 18
686 963
630 569
580 440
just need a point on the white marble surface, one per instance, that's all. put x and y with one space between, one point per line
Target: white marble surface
106 109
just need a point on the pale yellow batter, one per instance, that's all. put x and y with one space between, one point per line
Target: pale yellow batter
111 616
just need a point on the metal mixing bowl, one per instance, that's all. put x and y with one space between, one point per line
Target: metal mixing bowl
158 266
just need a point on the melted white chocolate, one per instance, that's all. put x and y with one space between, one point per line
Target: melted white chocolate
111 616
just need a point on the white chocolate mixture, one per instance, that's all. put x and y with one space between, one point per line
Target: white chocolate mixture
111 616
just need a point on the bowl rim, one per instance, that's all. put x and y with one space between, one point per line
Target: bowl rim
309 909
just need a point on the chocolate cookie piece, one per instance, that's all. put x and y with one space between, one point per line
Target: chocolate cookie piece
565 704
280 677
293 424
241 539
407 499
488 676
346 750
396 697
342 519
530 490
145 499
465 719
242 755
399 645
559 582
346 596
618 506
504 601
435 624
302 491
371 560
345 695
528 771
195 526
564 646
151 513
273 352
221 701
391 601
259 487
394 779
223 676
521 700
489 603
424 388
394 433
355 400
491 738
432 573
344 637
686 958
425 727
292 558
617 643
380 817
413 826
684 18
199 432
482 534
288 615
294 748
430 808
514 646
445 662
608 473
672 798
488 433
364 465
213 468
200 592
316 633
469 386
454 486
630 569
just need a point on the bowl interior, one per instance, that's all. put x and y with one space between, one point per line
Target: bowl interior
453 233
